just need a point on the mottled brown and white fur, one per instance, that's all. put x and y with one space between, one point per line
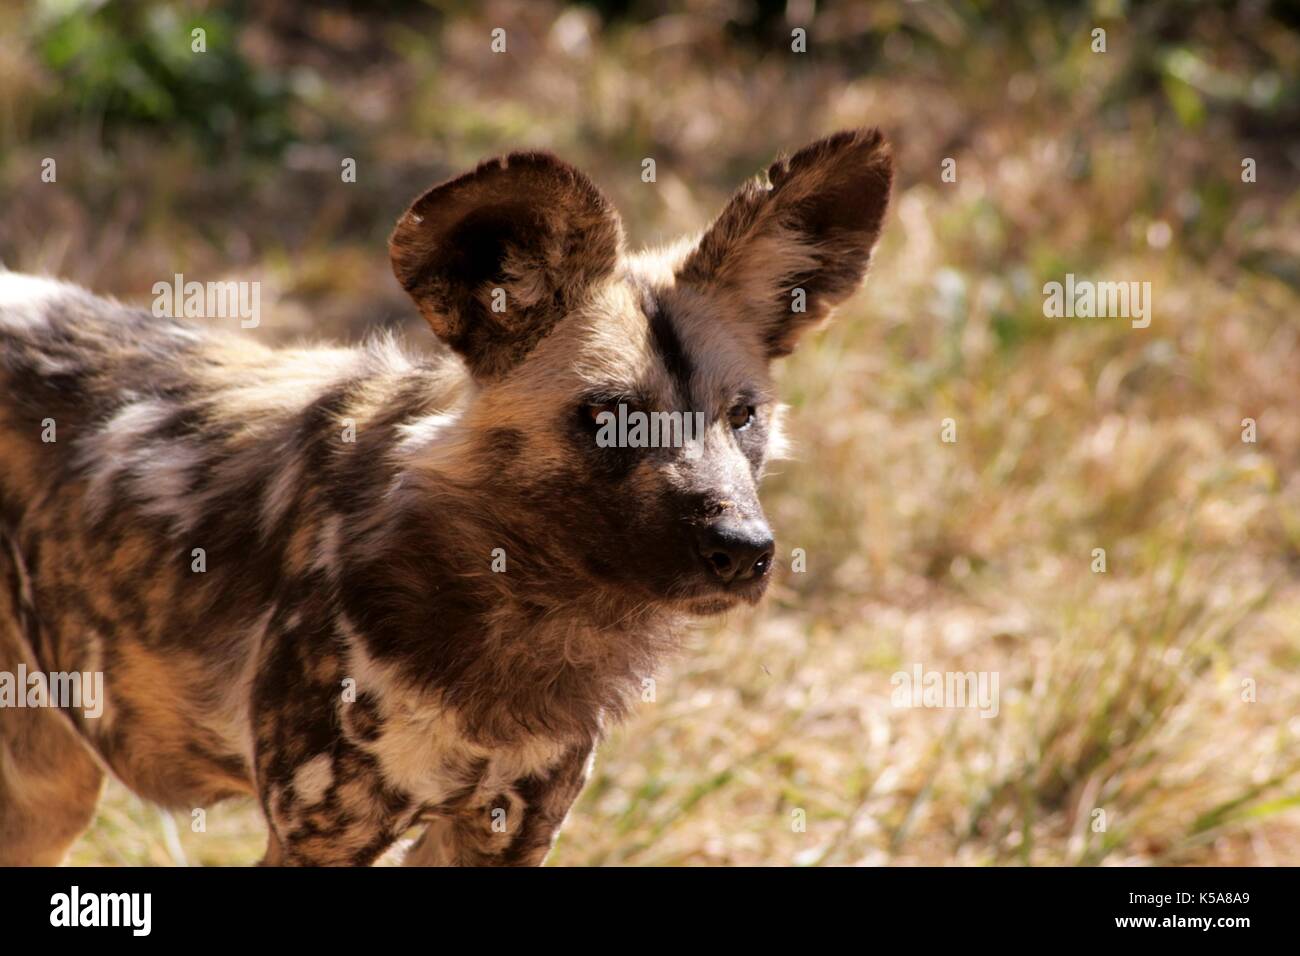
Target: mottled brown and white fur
377 591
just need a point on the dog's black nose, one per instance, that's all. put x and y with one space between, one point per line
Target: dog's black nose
736 550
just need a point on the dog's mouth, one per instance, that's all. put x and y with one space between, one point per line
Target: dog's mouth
711 601
710 607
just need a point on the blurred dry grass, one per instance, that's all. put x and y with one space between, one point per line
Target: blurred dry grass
1120 691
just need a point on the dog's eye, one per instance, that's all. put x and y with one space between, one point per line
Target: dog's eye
740 416
591 411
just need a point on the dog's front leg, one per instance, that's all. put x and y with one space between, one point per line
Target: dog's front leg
329 836
333 808
515 827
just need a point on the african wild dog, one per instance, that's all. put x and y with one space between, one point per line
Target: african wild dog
368 564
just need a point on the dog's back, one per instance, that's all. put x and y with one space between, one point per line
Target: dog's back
161 486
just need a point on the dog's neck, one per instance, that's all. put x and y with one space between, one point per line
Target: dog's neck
523 642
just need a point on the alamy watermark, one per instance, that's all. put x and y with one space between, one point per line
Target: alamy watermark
133 911
68 690
637 429
946 690
1085 299
209 300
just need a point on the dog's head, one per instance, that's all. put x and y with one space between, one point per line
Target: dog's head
624 401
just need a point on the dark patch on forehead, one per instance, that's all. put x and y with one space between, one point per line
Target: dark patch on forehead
668 343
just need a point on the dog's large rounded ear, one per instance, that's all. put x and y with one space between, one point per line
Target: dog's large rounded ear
790 249
496 257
